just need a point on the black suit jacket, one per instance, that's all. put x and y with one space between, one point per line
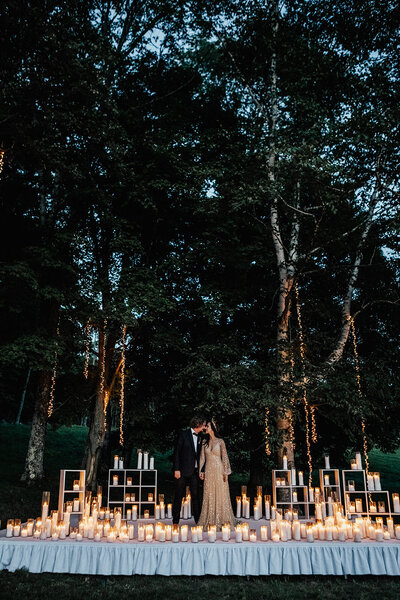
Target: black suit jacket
185 454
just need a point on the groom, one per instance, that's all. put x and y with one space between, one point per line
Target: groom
186 468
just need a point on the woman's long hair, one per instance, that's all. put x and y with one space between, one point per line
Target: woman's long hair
215 430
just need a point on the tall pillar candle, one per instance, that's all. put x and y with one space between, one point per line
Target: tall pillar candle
145 460
151 463
139 459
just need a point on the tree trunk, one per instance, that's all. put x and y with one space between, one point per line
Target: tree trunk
33 472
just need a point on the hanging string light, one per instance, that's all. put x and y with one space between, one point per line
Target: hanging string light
267 433
2 161
292 439
305 398
122 399
103 395
87 352
50 407
359 390
314 436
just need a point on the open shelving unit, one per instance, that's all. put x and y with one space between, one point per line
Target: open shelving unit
66 493
144 481
289 488
364 494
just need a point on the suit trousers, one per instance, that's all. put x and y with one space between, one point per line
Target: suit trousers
193 482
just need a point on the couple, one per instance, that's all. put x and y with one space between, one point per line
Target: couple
203 457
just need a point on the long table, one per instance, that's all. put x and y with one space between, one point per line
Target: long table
203 558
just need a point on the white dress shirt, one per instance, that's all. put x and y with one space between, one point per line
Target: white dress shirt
195 438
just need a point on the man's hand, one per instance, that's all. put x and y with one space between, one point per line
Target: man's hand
225 477
177 474
202 475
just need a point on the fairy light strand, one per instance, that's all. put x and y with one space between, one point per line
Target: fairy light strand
50 407
2 161
359 390
122 398
103 395
305 397
267 433
292 439
314 435
87 351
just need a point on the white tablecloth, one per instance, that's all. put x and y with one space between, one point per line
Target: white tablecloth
221 558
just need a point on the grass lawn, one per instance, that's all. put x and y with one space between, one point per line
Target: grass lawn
64 449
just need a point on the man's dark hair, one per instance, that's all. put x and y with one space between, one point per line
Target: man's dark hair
196 421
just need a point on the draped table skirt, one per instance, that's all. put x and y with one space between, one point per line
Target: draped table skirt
203 558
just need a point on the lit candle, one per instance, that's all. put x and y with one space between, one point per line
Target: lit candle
139 459
342 533
397 532
131 531
194 534
37 534
115 479
212 533
238 533
129 514
226 532
150 497
238 507
45 505
253 535
386 535
390 526
116 458
146 514
275 537
303 530
10 528
175 533
168 533
351 486
294 496
273 513
120 462
141 532
267 505
379 535
357 534
372 507
296 530
381 506
79 537
29 526
17 528
134 512
76 486
285 463
318 511
310 534
162 509
327 462
184 533
245 532
149 533
301 478
353 464
377 482
370 482
311 494
97 537
326 480
264 533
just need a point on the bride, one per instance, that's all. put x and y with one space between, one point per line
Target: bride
217 506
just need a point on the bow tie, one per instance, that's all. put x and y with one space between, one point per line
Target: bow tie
196 434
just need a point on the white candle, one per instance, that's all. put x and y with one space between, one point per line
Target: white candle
151 463
129 514
379 535
267 509
318 511
141 532
310 534
194 535
245 532
212 533
169 511
294 496
342 533
145 460
377 482
175 534
390 526
134 512
326 480
157 511
273 513
116 459
115 479
226 533
253 536
301 478
139 459
168 533
45 511
293 477
238 533
296 530
120 462
184 533
311 494
358 460
327 462
238 507
264 533
131 531
370 482
285 464
358 505
162 510
397 532
79 537
357 534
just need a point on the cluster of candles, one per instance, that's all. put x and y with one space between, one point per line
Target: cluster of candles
186 507
243 504
144 461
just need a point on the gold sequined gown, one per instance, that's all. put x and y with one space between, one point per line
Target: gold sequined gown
217 506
